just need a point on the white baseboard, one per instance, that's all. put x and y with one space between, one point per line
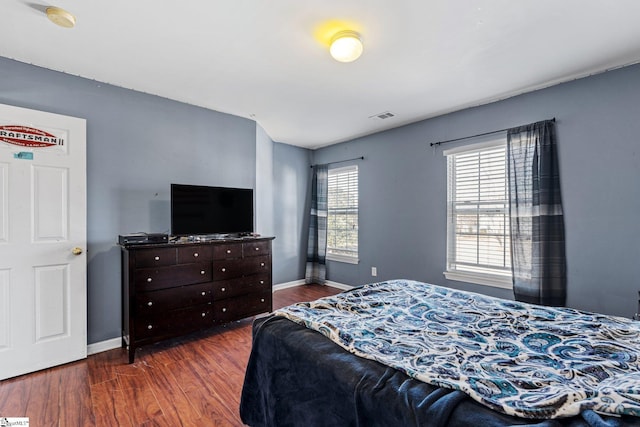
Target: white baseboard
112 343
300 282
99 347
338 285
288 285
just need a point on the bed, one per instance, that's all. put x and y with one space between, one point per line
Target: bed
406 353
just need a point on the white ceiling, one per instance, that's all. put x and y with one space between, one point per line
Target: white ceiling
268 60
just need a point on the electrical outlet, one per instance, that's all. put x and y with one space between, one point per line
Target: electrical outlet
374 271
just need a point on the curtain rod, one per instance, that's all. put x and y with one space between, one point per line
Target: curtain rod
342 161
480 134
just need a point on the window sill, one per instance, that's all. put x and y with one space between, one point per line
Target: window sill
342 258
502 282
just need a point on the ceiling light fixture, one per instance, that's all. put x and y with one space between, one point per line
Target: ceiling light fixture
346 46
61 17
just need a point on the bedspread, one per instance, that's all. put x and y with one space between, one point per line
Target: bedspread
519 359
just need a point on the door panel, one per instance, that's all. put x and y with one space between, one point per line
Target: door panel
43 290
52 306
50 199
4 202
5 308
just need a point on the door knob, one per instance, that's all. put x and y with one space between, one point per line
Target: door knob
76 251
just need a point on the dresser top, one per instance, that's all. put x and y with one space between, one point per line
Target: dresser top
184 241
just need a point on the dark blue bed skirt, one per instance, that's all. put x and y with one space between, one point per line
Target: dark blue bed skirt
298 377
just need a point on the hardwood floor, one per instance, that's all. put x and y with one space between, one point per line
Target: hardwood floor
190 381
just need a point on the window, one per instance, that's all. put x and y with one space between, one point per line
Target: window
478 246
342 220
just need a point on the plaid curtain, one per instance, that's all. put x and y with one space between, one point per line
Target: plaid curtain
316 271
535 209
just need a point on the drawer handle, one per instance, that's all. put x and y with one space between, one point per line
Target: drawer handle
204 314
196 255
262 282
262 264
223 289
150 303
261 299
202 271
228 251
157 258
149 279
224 309
203 293
150 327
224 269
257 249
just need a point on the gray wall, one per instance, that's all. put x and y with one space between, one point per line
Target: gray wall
403 189
137 144
291 174
264 183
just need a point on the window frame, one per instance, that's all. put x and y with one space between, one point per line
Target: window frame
496 279
349 259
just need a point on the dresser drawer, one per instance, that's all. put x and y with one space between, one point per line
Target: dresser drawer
227 250
232 268
155 257
148 279
190 254
241 286
255 248
160 302
243 306
174 322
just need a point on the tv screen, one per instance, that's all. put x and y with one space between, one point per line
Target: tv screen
202 210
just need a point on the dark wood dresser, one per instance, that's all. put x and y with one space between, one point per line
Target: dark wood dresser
172 289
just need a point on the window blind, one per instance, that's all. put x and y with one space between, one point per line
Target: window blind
342 205
478 212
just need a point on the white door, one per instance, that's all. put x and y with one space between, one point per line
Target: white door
43 292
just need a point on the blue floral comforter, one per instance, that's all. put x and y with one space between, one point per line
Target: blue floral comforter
520 359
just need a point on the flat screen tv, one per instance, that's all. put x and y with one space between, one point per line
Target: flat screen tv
201 210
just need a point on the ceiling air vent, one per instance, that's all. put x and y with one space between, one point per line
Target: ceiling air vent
382 116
